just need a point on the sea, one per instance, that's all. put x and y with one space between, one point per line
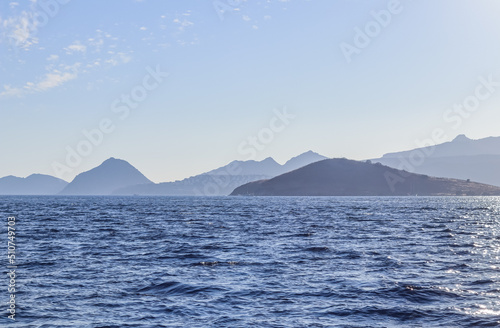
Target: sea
251 262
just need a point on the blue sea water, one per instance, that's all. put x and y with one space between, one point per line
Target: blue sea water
253 262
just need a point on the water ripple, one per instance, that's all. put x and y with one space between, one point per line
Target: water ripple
255 262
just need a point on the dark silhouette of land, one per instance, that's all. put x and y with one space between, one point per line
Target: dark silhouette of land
342 177
222 181
118 177
35 184
111 175
307 174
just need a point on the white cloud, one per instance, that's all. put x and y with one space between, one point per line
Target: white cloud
51 80
21 30
143 28
96 43
75 47
96 63
119 58
13 4
182 24
53 58
9 91
125 57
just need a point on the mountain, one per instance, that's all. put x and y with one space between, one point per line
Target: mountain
266 167
462 158
460 146
111 175
224 180
301 160
342 177
35 184
200 185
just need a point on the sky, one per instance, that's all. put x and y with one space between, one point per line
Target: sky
178 88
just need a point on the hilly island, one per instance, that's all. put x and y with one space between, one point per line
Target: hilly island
343 177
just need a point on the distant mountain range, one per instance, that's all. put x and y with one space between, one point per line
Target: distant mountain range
268 166
35 184
224 180
118 177
342 177
462 158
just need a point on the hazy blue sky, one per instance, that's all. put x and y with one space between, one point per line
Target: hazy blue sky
64 66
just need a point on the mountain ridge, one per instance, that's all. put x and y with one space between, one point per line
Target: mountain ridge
461 158
111 175
343 177
223 180
34 184
220 181
461 145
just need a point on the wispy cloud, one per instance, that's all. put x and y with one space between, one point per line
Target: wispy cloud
54 79
9 91
51 80
52 58
97 42
119 58
75 47
20 30
182 21
19 27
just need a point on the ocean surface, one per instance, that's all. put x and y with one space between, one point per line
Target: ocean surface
253 262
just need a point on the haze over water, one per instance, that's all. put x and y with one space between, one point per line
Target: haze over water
256 262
